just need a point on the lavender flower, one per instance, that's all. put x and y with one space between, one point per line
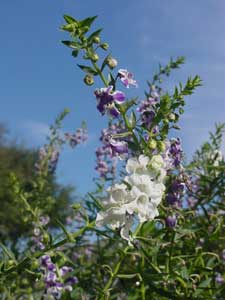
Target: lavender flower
56 283
171 221
111 149
219 279
47 157
118 147
80 136
127 78
176 151
107 98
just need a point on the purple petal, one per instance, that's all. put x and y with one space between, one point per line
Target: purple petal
119 97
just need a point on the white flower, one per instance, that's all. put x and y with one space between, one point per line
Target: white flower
143 182
140 196
114 216
118 194
141 206
137 165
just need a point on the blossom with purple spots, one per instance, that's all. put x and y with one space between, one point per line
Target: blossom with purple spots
126 78
107 98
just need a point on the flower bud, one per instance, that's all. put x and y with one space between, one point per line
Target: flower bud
35 264
88 79
112 62
95 57
46 238
96 39
104 46
172 117
152 144
171 221
161 146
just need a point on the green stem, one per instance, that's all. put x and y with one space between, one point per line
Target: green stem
26 260
100 73
114 274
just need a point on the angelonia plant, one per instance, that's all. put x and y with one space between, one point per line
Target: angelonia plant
154 226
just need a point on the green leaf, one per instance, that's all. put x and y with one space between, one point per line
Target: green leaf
75 52
88 70
8 252
87 22
71 44
94 34
69 19
127 276
96 201
133 120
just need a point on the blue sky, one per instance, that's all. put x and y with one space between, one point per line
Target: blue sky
39 77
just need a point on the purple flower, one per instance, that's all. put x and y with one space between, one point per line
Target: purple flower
127 78
177 186
176 151
106 100
45 260
72 280
171 221
172 199
80 136
102 168
44 220
219 279
118 147
147 117
65 270
191 202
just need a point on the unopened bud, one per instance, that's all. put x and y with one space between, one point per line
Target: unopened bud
95 57
88 79
161 146
46 238
152 144
172 117
112 62
96 39
104 46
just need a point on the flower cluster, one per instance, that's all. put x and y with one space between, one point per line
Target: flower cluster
57 280
175 193
139 195
147 107
49 156
174 153
79 137
110 150
38 235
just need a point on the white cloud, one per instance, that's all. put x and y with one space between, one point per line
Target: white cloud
35 132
